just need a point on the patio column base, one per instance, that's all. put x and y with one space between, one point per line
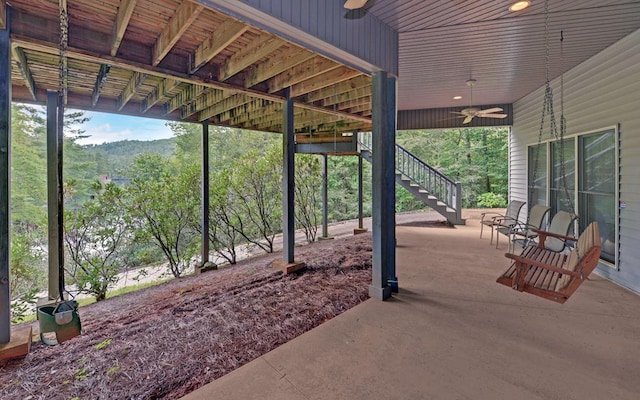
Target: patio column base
325 237
379 293
393 284
358 231
19 345
288 268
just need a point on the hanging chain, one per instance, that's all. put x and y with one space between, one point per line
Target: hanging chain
62 55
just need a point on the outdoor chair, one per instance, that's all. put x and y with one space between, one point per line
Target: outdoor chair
524 232
506 220
561 224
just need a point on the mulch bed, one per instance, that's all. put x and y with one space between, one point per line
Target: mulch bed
166 341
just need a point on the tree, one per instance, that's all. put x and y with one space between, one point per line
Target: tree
96 237
162 201
308 183
256 192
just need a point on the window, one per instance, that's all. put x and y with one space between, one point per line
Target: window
538 174
597 187
596 197
563 161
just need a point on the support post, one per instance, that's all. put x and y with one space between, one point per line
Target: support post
288 265
325 197
52 192
390 175
383 186
204 257
288 179
5 179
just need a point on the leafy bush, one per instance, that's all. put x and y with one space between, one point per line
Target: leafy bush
491 200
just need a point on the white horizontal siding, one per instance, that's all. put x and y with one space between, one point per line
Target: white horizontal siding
598 94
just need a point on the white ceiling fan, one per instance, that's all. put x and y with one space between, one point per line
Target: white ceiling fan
470 113
354 4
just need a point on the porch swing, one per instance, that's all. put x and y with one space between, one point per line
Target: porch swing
537 270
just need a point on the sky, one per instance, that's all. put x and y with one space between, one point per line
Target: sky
112 127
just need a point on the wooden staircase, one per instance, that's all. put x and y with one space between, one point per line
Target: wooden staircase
425 183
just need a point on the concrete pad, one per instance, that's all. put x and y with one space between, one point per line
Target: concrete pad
18 346
454 333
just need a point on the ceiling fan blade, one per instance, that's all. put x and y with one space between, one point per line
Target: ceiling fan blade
491 110
468 119
354 4
492 115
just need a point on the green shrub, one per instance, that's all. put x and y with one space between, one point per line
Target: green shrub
491 200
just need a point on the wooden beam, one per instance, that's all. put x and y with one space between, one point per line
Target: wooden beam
159 93
89 56
187 95
354 103
207 99
248 55
347 96
21 60
179 23
228 32
222 106
100 80
249 110
3 14
258 115
125 10
277 65
321 81
342 87
132 86
306 70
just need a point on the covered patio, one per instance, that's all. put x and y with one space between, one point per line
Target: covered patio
453 333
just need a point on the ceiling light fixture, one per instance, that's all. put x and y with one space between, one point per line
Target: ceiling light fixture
519 5
457 97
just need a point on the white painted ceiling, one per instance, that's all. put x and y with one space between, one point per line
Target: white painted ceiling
445 42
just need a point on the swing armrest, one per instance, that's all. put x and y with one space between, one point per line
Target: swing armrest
536 263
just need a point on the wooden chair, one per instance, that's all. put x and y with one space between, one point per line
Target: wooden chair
523 232
551 275
508 219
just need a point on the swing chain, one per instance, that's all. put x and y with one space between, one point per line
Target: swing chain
62 55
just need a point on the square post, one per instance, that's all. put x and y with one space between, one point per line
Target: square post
383 186
5 179
325 196
204 258
288 179
52 193
390 175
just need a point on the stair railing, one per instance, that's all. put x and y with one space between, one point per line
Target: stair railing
426 177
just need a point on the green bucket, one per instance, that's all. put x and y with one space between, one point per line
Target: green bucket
59 323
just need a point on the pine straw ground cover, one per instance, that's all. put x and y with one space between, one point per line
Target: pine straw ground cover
168 340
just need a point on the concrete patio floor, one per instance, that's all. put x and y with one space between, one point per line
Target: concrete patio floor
453 333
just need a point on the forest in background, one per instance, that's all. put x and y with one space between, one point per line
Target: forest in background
107 229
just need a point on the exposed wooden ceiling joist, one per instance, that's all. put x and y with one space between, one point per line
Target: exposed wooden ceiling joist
222 106
347 96
342 87
222 37
188 94
132 86
159 93
125 10
257 50
21 59
301 72
179 23
323 80
3 14
206 99
277 65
